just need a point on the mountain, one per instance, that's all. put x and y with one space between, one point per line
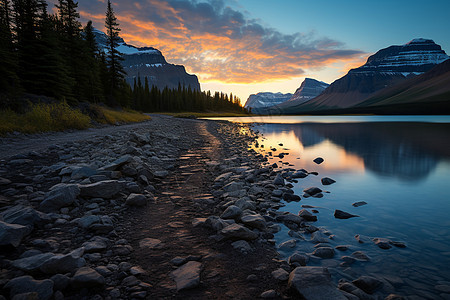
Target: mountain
386 68
309 89
430 88
149 62
266 99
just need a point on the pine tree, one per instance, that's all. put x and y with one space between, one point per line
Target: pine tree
9 81
94 91
114 57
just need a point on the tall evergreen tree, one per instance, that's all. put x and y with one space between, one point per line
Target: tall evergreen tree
114 57
9 81
94 91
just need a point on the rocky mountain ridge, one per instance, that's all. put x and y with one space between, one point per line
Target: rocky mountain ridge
309 89
149 62
266 99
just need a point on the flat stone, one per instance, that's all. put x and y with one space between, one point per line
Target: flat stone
118 163
318 160
86 277
24 215
382 243
12 234
327 181
302 260
288 244
291 197
314 283
359 203
60 195
339 214
103 189
26 284
312 191
187 276
151 243
238 232
360 255
319 237
94 246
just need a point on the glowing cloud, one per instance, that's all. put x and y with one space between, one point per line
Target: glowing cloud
216 42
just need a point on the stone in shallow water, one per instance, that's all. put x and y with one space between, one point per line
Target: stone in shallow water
314 283
368 284
324 252
318 160
327 181
339 214
312 191
307 215
187 276
359 203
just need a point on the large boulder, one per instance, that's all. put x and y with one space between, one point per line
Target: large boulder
12 234
32 263
26 284
314 283
136 200
238 232
232 212
60 195
102 189
187 276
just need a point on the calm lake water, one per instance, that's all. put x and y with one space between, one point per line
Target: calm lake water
400 166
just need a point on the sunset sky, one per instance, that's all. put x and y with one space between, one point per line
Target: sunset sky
250 46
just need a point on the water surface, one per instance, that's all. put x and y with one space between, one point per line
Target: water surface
400 166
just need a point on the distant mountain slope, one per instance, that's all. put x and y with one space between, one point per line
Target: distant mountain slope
386 68
432 86
149 62
309 89
266 99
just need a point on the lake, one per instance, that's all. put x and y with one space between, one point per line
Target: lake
399 165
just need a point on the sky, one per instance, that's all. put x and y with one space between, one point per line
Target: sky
251 46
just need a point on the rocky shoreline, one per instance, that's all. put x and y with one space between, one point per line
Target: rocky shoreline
170 208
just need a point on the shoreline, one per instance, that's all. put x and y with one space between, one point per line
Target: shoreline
93 233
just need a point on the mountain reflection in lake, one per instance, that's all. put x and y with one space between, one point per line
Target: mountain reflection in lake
402 170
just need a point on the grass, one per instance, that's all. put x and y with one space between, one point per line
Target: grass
60 116
107 115
42 118
206 114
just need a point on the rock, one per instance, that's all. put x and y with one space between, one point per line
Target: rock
86 277
359 203
398 244
269 294
137 270
324 252
26 296
348 260
314 283
4 181
102 189
382 243
318 160
299 174
12 234
242 246
327 181
26 284
232 212
297 258
94 246
64 263
118 163
130 281
233 186
319 237
238 232
291 197
32 263
279 180
307 216
289 218
24 215
187 276
161 174
360 255
255 221
288 244
342 247
361 239
352 289
277 193
312 191
60 282
151 243
83 172
339 214
280 274
136 200
215 223
367 283
394 297
60 195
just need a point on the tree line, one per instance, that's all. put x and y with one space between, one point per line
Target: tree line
53 55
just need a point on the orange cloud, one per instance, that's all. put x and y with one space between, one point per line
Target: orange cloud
218 43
